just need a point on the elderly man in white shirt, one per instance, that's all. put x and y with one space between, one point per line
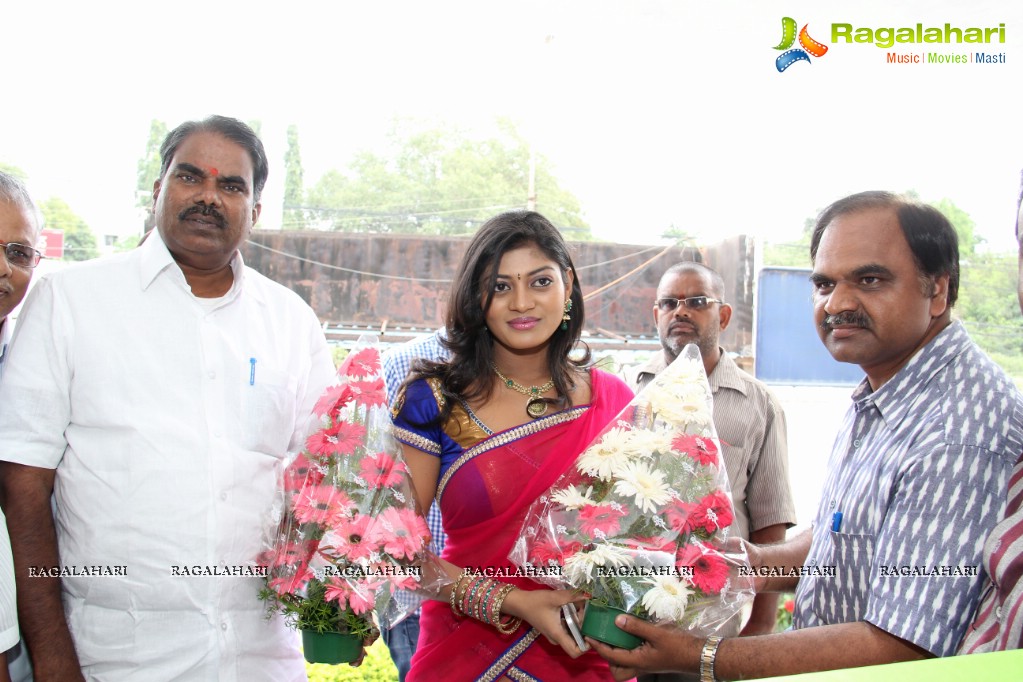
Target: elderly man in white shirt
157 394
19 229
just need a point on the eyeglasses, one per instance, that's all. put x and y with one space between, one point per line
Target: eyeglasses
21 255
667 305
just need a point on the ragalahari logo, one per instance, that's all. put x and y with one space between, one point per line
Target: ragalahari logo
788 37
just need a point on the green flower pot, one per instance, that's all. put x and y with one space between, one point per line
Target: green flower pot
599 623
330 647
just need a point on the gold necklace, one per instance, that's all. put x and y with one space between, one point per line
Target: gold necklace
536 406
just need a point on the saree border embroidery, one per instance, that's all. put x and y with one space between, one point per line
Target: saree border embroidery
520 675
505 437
508 657
415 440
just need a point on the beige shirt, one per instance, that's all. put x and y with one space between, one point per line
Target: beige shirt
751 427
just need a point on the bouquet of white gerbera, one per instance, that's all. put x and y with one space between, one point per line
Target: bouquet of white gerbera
640 521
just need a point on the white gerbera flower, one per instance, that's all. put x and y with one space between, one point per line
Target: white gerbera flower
602 457
689 406
667 598
683 370
574 498
643 443
579 567
647 487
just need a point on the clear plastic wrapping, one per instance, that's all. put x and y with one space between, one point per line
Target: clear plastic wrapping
345 536
640 521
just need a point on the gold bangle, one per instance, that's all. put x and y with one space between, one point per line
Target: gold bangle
707 658
454 595
505 627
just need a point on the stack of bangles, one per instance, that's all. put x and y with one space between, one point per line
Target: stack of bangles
482 598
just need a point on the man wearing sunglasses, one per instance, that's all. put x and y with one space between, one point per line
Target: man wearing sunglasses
749 420
18 233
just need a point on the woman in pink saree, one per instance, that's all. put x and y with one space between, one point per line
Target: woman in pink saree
487 433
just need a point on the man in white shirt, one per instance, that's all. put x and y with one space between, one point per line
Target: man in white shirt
156 393
18 256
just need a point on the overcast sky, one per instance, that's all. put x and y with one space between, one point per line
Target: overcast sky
653 113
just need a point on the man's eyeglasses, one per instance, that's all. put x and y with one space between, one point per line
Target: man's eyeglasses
21 255
668 305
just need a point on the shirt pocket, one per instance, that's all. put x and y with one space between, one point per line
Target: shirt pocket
842 598
267 412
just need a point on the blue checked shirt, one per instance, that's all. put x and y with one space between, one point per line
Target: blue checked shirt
397 362
919 471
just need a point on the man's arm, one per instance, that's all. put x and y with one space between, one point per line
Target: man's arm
828 647
787 555
765 605
26 492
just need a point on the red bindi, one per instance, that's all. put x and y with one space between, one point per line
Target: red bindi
214 172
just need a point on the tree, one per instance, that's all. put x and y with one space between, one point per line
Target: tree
440 181
149 169
964 225
79 241
13 170
293 216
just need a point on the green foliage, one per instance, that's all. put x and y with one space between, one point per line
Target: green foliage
441 181
79 241
314 612
149 165
13 170
964 225
293 217
989 308
376 667
785 607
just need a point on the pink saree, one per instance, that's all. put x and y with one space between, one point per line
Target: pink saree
483 498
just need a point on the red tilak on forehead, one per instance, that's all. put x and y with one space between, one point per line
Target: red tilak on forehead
214 172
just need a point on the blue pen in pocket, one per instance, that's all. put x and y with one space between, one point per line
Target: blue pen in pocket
252 371
836 522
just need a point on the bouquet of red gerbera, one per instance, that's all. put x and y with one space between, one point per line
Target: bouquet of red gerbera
640 521
346 536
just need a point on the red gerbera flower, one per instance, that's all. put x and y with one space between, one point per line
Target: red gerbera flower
332 400
400 532
321 504
709 568
364 363
300 473
680 515
338 590
703 450
353 538
550 552
369 393
360 600
293 554
293 583
601 518
381 470
341 439
714 511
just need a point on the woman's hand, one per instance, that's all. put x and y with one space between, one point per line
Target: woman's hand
542 610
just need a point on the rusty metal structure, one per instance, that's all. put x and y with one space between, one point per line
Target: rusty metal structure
398 284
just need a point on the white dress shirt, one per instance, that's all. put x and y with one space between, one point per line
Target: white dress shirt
8 602
168 423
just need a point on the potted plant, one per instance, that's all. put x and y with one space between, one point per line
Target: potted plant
346 535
